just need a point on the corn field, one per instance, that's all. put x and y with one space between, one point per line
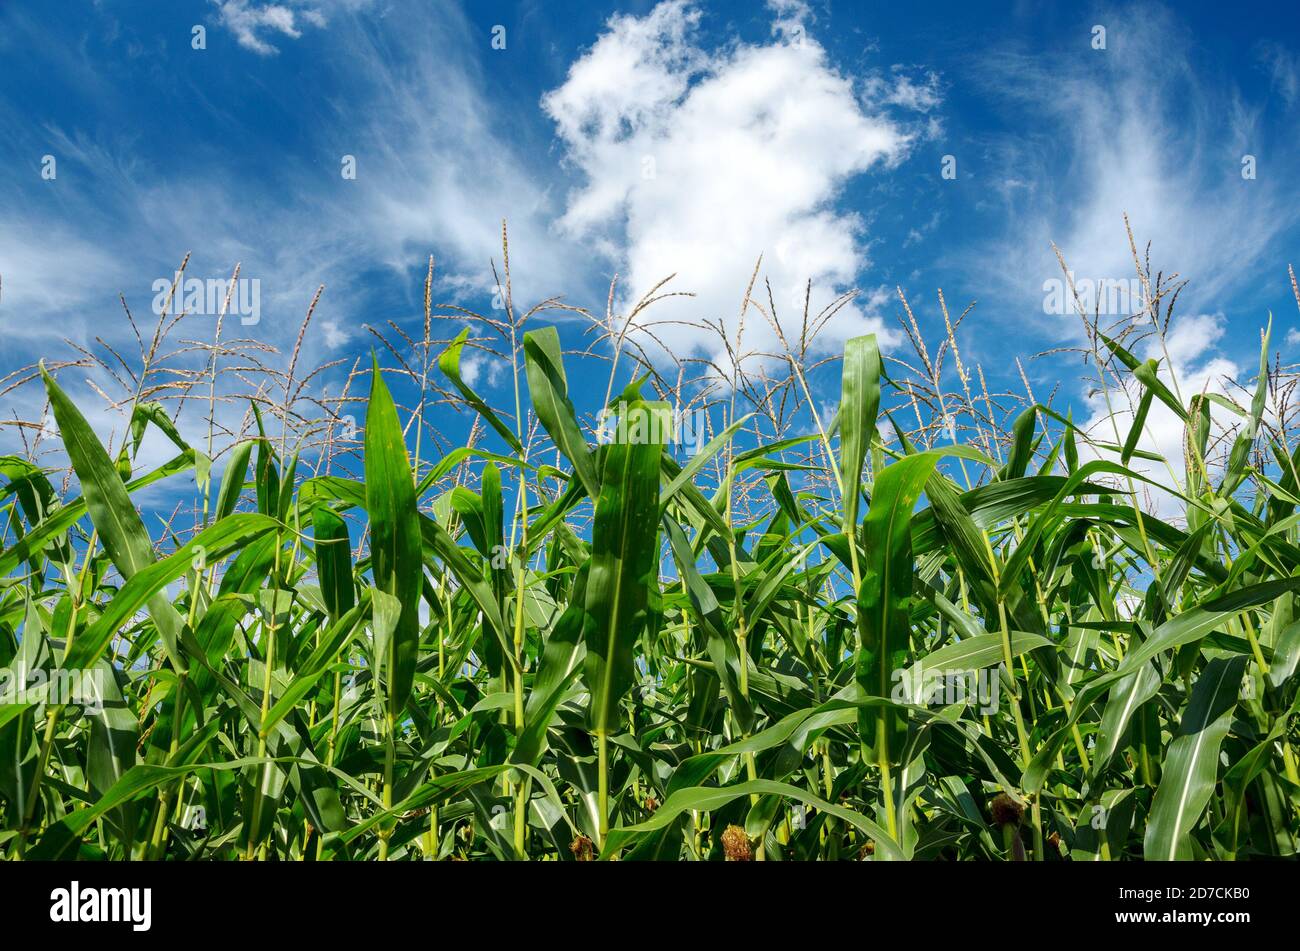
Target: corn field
875 612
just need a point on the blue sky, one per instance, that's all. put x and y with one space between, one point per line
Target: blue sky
643 139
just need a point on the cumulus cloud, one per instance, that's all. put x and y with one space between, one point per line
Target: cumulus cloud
698 161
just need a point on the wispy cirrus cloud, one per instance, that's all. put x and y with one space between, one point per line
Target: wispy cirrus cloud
260 183
1117 130
1202 176
1283 68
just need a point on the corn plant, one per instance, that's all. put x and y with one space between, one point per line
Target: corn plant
814 638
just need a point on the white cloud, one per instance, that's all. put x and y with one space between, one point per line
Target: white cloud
470 368
251 22
256 23
335 336
789 16
921 92
695 162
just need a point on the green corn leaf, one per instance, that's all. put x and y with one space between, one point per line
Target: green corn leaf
59 520
449 364
561 661
395 549
1022 444
1192 761
885 598
550 395
111 510
859 406
722 647
218 541
624 548
708 798
334 561
1135 431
